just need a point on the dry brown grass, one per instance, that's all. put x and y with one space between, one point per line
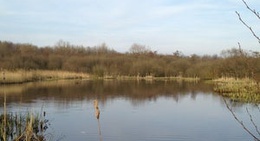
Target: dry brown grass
246 90
21 76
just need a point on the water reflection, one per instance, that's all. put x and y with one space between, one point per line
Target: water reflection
66 92
132 110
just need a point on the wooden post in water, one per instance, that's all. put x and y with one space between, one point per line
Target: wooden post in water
97 115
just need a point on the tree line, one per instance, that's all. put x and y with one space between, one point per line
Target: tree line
139 61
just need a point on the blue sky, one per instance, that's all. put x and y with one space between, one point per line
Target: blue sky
190 26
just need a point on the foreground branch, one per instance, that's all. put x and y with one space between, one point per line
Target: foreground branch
252 31
252 10
240 122
252 121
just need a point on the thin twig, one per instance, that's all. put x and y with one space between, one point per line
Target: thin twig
252 31
241 122
252 121
240 49
252 10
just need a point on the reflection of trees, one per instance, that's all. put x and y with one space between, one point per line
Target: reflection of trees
256 134
136 91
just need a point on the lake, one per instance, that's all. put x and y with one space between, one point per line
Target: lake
134 111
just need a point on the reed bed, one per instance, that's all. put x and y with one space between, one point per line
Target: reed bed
19 127
244 90
22 76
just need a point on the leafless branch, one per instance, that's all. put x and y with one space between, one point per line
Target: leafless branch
240 122
240 49
252 121
252 31
252 10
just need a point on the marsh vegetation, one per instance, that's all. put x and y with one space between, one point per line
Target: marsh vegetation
101 61
23 127
245 90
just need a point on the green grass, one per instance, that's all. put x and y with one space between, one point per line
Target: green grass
244 90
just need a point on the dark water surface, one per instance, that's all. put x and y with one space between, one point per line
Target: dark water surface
134 111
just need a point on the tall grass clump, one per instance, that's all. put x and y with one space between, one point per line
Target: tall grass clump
244 90
19 127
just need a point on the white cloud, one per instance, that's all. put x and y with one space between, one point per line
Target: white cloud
165 24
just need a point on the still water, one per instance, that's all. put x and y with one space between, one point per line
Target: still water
134 111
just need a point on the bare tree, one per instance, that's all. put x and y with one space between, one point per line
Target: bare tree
139 49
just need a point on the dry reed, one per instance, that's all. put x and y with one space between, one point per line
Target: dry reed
22 76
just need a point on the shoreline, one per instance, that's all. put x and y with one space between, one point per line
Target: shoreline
242 89
24 76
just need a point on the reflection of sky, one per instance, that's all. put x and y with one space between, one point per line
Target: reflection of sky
201 118
152 111
166 25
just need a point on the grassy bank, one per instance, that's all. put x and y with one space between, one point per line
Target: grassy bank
22 76
244 90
